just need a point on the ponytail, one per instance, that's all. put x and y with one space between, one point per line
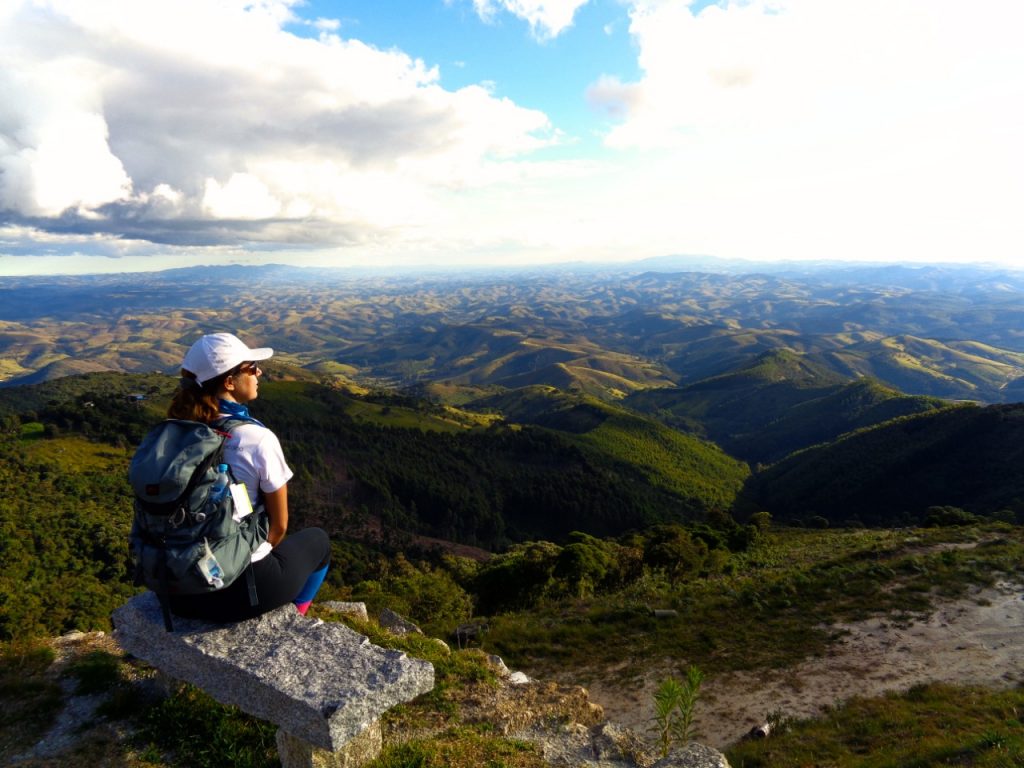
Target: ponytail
195 401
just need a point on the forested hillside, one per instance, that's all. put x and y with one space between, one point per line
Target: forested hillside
968 457
491 486
779 403
411 466
679 463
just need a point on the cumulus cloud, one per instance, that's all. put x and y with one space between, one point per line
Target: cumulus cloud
612 97
209 122
805 65
827 127
547 18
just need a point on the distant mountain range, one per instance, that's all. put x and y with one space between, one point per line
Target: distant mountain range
608 331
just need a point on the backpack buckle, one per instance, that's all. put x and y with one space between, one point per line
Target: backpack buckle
178 517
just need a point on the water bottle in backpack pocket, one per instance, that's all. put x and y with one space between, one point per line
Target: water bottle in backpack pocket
210 568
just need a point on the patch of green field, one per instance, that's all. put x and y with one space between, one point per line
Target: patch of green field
399 416
32 430
76 454
932 725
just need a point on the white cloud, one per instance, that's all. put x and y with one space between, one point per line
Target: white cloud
827 127
192 112
547 18
54 150
612 97
327 25
244 196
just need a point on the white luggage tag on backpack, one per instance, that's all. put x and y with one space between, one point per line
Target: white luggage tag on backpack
243 505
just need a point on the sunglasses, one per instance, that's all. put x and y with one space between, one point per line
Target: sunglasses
253 368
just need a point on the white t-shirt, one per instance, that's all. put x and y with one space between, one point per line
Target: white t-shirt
254 454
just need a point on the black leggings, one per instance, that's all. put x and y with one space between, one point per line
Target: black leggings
279 577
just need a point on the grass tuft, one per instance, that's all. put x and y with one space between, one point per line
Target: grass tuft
191 729
96 672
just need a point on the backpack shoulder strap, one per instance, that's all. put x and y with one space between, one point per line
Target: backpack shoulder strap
227 423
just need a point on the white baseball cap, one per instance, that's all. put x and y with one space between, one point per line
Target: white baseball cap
217 353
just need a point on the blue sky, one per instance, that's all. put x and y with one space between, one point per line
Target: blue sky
143 134
551 75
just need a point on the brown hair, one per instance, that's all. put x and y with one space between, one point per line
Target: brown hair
195 401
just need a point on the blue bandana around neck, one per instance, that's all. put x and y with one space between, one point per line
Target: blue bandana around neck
238 410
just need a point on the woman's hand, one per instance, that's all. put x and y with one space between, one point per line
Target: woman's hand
277 510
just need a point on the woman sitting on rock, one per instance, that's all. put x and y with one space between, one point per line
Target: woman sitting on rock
219 378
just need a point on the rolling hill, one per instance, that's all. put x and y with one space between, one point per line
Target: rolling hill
965 370
965 456
694 470
493 354
779 403
946 332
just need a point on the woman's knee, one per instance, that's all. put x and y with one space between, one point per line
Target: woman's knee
325 543
317 543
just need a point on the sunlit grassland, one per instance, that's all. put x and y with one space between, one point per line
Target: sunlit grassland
10 368
76 454
672 460
31 430
285 399
772 608
398 416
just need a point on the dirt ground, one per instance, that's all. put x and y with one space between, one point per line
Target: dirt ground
977 640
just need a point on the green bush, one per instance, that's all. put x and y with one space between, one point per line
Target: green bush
945 516
516 579
673 549
424 594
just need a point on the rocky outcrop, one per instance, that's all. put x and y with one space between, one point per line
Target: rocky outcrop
398 625
567 728
321 683
355 610
693 755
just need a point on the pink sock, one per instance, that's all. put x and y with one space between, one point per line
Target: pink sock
303 607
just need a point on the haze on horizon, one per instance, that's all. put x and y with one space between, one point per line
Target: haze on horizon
144 134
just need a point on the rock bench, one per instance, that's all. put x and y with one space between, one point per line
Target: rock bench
324 685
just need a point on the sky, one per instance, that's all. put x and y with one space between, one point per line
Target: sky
146 134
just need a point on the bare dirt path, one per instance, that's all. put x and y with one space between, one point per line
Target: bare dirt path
977 640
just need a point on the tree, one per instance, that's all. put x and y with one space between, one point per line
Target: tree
672 548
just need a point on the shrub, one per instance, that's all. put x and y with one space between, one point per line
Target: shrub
946 516
674 703
672 549
517 578
426 595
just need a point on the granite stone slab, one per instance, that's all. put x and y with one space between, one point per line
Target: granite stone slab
319 681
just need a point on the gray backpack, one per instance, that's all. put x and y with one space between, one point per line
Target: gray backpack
179 524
